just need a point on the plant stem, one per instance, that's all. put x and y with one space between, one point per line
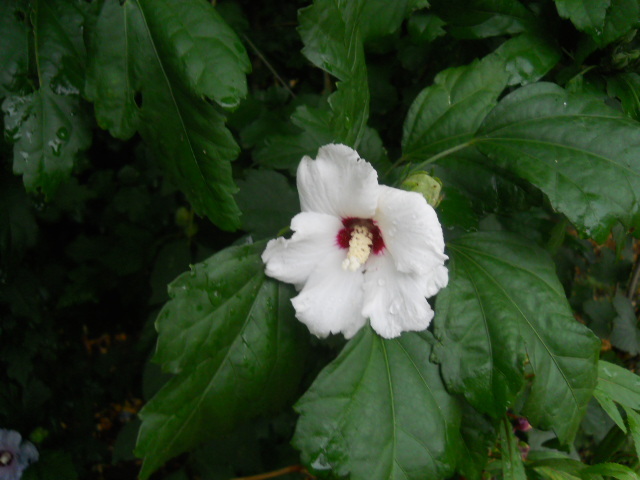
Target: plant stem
268 65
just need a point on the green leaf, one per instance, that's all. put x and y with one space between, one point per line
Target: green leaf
619 384
380 411
447 114
626 86
478 437
268 202
484 18
557 141
625 333
633 418
622 16
207 55
108 83
615 470
333 41
550 473
14 53
586 15
504 301
49 132
230 337
512 466
609 406
286 151
60 50
185 132
528 57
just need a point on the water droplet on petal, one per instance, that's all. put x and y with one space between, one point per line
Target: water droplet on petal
381 282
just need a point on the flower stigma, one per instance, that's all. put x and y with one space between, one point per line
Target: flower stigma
5 458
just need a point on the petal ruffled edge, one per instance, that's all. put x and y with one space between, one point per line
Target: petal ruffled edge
394 301
331 300
338 182
411 231
293 260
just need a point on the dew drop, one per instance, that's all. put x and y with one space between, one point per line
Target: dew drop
393 308
381 282
62 133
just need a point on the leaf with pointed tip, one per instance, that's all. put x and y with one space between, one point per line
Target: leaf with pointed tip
586 15
619 384
503 301
582 154
230 336
49 131
448 113
161 73
380 411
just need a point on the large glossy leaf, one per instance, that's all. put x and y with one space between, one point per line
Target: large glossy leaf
582 154
230 336
333 41
380 411
154 80
448 113
503 302
586 15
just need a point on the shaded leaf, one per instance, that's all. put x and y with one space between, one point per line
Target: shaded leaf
268 202
49 131
157 85
478 437
633 418
586 15
626 86
415 432
512 466
14 54
448 113
504 300
333 42
528 57
615 470
230 337
625 333
557 140
622 16
484 18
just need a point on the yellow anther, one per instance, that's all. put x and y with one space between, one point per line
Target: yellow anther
359 248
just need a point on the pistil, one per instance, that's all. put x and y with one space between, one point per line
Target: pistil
359 248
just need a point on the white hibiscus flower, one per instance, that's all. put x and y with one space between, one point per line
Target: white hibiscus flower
359 250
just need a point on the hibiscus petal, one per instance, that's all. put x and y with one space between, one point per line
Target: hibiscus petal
410 230
394 301
338 182
292 260
331 300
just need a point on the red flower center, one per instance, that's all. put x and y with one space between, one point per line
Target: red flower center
344 235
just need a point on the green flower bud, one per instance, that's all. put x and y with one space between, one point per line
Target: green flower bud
426 185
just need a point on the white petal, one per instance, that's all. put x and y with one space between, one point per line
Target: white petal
292 260
394 301
436 280
410 230
338 183
331 300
